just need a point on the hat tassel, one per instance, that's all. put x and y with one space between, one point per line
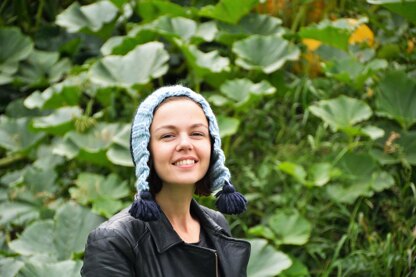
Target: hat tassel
230 201
144 207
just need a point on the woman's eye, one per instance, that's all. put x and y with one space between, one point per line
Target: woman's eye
198 134
167 136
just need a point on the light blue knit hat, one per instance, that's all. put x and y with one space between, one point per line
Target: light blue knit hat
144 207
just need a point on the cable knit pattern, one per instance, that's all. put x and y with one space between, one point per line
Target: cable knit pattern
140 136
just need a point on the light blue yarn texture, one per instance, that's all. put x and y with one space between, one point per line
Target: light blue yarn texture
140 136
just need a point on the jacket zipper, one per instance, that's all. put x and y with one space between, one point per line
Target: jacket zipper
216 264
215 254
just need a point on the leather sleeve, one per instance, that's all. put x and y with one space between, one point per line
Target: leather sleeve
108 253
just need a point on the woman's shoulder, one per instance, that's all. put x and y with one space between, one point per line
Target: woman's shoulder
217 217
121 225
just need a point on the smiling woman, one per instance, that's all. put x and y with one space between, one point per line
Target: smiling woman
176 149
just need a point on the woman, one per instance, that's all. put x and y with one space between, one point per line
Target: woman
176 149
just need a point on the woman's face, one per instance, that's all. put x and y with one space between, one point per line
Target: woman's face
180 142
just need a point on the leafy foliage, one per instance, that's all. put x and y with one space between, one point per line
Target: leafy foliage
315 103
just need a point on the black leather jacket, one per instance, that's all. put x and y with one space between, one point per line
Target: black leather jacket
125 246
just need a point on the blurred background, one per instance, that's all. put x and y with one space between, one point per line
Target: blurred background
316 102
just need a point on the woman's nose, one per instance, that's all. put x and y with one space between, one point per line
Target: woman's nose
184 143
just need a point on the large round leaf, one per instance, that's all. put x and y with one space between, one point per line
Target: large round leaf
42 68
290 227
203 63
178 26
265 261
92 16
9 267
242 91
397 98
228 125
73 223
14 47
32 243
352 72
120 155
18 213
152 9
341 113
405 8
267 54
59 122
139 66
252 24
57 239
360 176
68 268
93 188
334 33
228 10
15 135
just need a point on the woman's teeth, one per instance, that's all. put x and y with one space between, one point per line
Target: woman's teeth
184 162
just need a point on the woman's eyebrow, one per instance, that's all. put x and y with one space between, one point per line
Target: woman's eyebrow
172 127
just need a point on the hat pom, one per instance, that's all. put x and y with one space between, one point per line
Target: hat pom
144 207
230 201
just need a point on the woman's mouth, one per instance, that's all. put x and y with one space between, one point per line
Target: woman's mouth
185 162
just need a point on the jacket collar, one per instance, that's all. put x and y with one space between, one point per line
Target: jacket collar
165 236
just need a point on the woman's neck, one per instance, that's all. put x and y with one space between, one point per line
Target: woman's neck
175 203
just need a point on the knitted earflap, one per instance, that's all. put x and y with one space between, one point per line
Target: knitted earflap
230 201
144 207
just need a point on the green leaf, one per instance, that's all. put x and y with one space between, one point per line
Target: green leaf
294 170
91 186
67 268
15 135
92 16
266 54
352 72
181 27
228 126
9 267
290 227
123 70
252 24
152 9
65 93
229 11
18 213
120 155
406 8
42 68
73 223
14 47
31 243
408 143
243 91
41 180
58 122
203 63
342 113
98 138
265 261
106 206
321 173
61 237
397 98
360 177
334 33
297 269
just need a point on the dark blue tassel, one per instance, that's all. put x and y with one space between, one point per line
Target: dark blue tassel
230 201
144 207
